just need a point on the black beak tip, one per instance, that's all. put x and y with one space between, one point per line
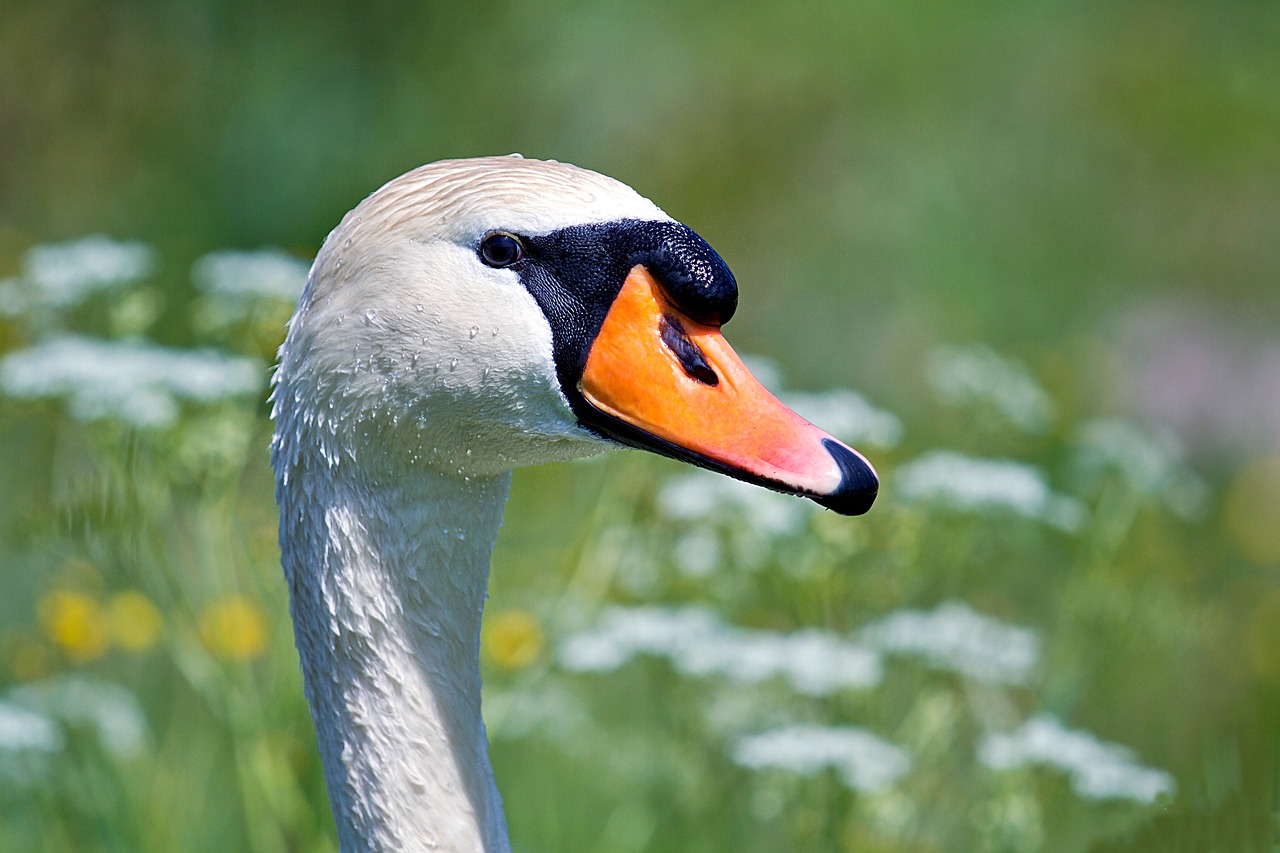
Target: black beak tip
858 482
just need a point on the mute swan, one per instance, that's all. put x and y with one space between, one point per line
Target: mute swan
468 317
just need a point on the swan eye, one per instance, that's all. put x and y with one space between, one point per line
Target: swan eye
500 250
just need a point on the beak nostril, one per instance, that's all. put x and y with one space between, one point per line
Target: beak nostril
686 351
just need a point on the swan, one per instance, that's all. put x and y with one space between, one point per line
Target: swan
469 317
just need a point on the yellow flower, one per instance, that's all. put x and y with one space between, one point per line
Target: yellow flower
234 629
134 620
513 639
75 623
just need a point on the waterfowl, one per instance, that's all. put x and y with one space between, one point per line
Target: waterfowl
469 317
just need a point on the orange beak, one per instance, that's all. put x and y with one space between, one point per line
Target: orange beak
676 386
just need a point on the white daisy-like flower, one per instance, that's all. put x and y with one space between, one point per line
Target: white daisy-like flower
978 375
265 273
110 709
139 383
23 729
1097 769
971 484
954 637
865 761
1152 462
61 275
812 662
705 496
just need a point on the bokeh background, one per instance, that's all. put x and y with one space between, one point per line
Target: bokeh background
1025 254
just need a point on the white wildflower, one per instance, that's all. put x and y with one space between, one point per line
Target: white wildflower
63 274
28 740
1151 463
236 283
848 416
1097 769
814 663
703 496
865 762
956 638
60 275
624 633
972 484
266 273
977 375
139 383
111 710
22 729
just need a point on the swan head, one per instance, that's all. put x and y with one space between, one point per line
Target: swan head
475 315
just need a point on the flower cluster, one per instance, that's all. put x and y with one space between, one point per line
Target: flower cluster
1097 769
237 287
85 627
952 637
977 376
797 703
956 638
60 275
864 761
1151 462
813 662
140 384
967 484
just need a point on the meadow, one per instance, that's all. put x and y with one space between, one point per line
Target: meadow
1022 256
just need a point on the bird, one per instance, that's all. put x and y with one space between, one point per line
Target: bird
469 317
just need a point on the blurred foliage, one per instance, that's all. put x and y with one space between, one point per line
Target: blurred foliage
883 177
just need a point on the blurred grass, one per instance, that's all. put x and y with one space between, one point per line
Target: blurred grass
882 177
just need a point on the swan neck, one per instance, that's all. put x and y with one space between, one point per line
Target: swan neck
387 584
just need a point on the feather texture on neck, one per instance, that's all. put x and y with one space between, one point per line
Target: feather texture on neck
387 583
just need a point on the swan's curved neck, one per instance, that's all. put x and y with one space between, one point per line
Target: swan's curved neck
387 584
